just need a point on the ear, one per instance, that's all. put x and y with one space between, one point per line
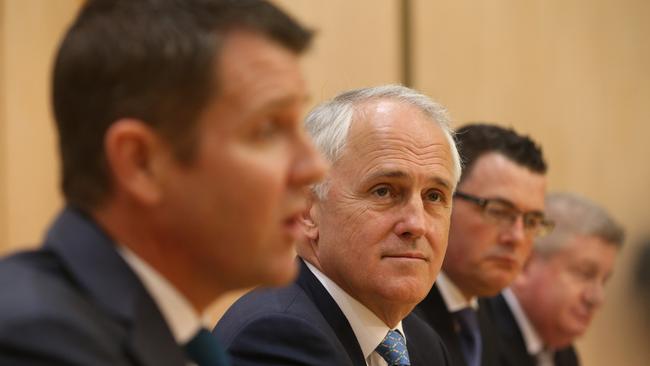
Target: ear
309 219
132 150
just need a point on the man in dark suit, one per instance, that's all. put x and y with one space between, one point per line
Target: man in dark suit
498 210
553 300
376 233
184 165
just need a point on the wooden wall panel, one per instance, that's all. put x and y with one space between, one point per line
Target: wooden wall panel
31 31
357 43
3 153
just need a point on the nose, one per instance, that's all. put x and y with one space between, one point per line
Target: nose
412 223
595 295
309 165
515 233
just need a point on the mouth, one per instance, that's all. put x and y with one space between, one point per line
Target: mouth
406 256
504 260
583 317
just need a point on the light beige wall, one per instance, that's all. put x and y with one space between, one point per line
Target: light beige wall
31 31
357 43
575 75
3 91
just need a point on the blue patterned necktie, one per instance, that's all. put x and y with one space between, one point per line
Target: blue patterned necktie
393 349
470 336
204 350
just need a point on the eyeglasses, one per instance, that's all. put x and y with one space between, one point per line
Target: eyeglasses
504 214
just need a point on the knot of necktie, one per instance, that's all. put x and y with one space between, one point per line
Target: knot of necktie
204 350
393 349
470 335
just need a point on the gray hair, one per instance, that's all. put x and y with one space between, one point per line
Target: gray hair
329 123
575 215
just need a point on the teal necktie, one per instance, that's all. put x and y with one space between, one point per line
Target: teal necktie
393 349
204 350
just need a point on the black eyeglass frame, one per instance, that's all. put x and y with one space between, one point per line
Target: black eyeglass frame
541 230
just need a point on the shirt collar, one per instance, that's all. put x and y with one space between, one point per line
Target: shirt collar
179 314
532 339
451 294
367 327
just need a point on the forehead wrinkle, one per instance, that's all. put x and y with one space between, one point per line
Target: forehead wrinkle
392 167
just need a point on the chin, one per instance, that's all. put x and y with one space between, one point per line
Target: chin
406 293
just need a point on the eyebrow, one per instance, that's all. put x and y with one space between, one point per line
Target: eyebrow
281 101
398 174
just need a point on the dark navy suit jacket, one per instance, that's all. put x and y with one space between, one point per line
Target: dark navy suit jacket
512 347
302 325
433 311
76 302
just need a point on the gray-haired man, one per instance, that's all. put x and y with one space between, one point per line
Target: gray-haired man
376 235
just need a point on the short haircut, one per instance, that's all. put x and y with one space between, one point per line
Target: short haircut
151 60
574 216
477 139
329 123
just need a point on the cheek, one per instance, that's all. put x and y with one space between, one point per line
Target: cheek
470 235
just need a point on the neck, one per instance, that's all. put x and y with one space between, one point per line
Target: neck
130 228
391 314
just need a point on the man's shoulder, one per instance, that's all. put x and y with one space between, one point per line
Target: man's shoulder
278 326
43 311
34 282
274 308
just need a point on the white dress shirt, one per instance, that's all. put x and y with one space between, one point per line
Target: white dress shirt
182 319
452 296
367 327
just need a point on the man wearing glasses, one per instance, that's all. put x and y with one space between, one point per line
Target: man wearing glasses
498 212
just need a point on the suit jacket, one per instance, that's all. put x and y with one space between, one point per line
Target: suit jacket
433 311
302 325
75 301
512 346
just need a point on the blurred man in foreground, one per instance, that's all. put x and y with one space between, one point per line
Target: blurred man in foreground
498 211
376 236
556 296
184 166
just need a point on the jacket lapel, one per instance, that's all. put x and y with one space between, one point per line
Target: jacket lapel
513 348
434 312
332 313
93 262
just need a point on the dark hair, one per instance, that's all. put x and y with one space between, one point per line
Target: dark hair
152 60
477 139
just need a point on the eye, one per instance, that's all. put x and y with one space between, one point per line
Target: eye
434 196
266 129
584 273
499 212
381 191
533 220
